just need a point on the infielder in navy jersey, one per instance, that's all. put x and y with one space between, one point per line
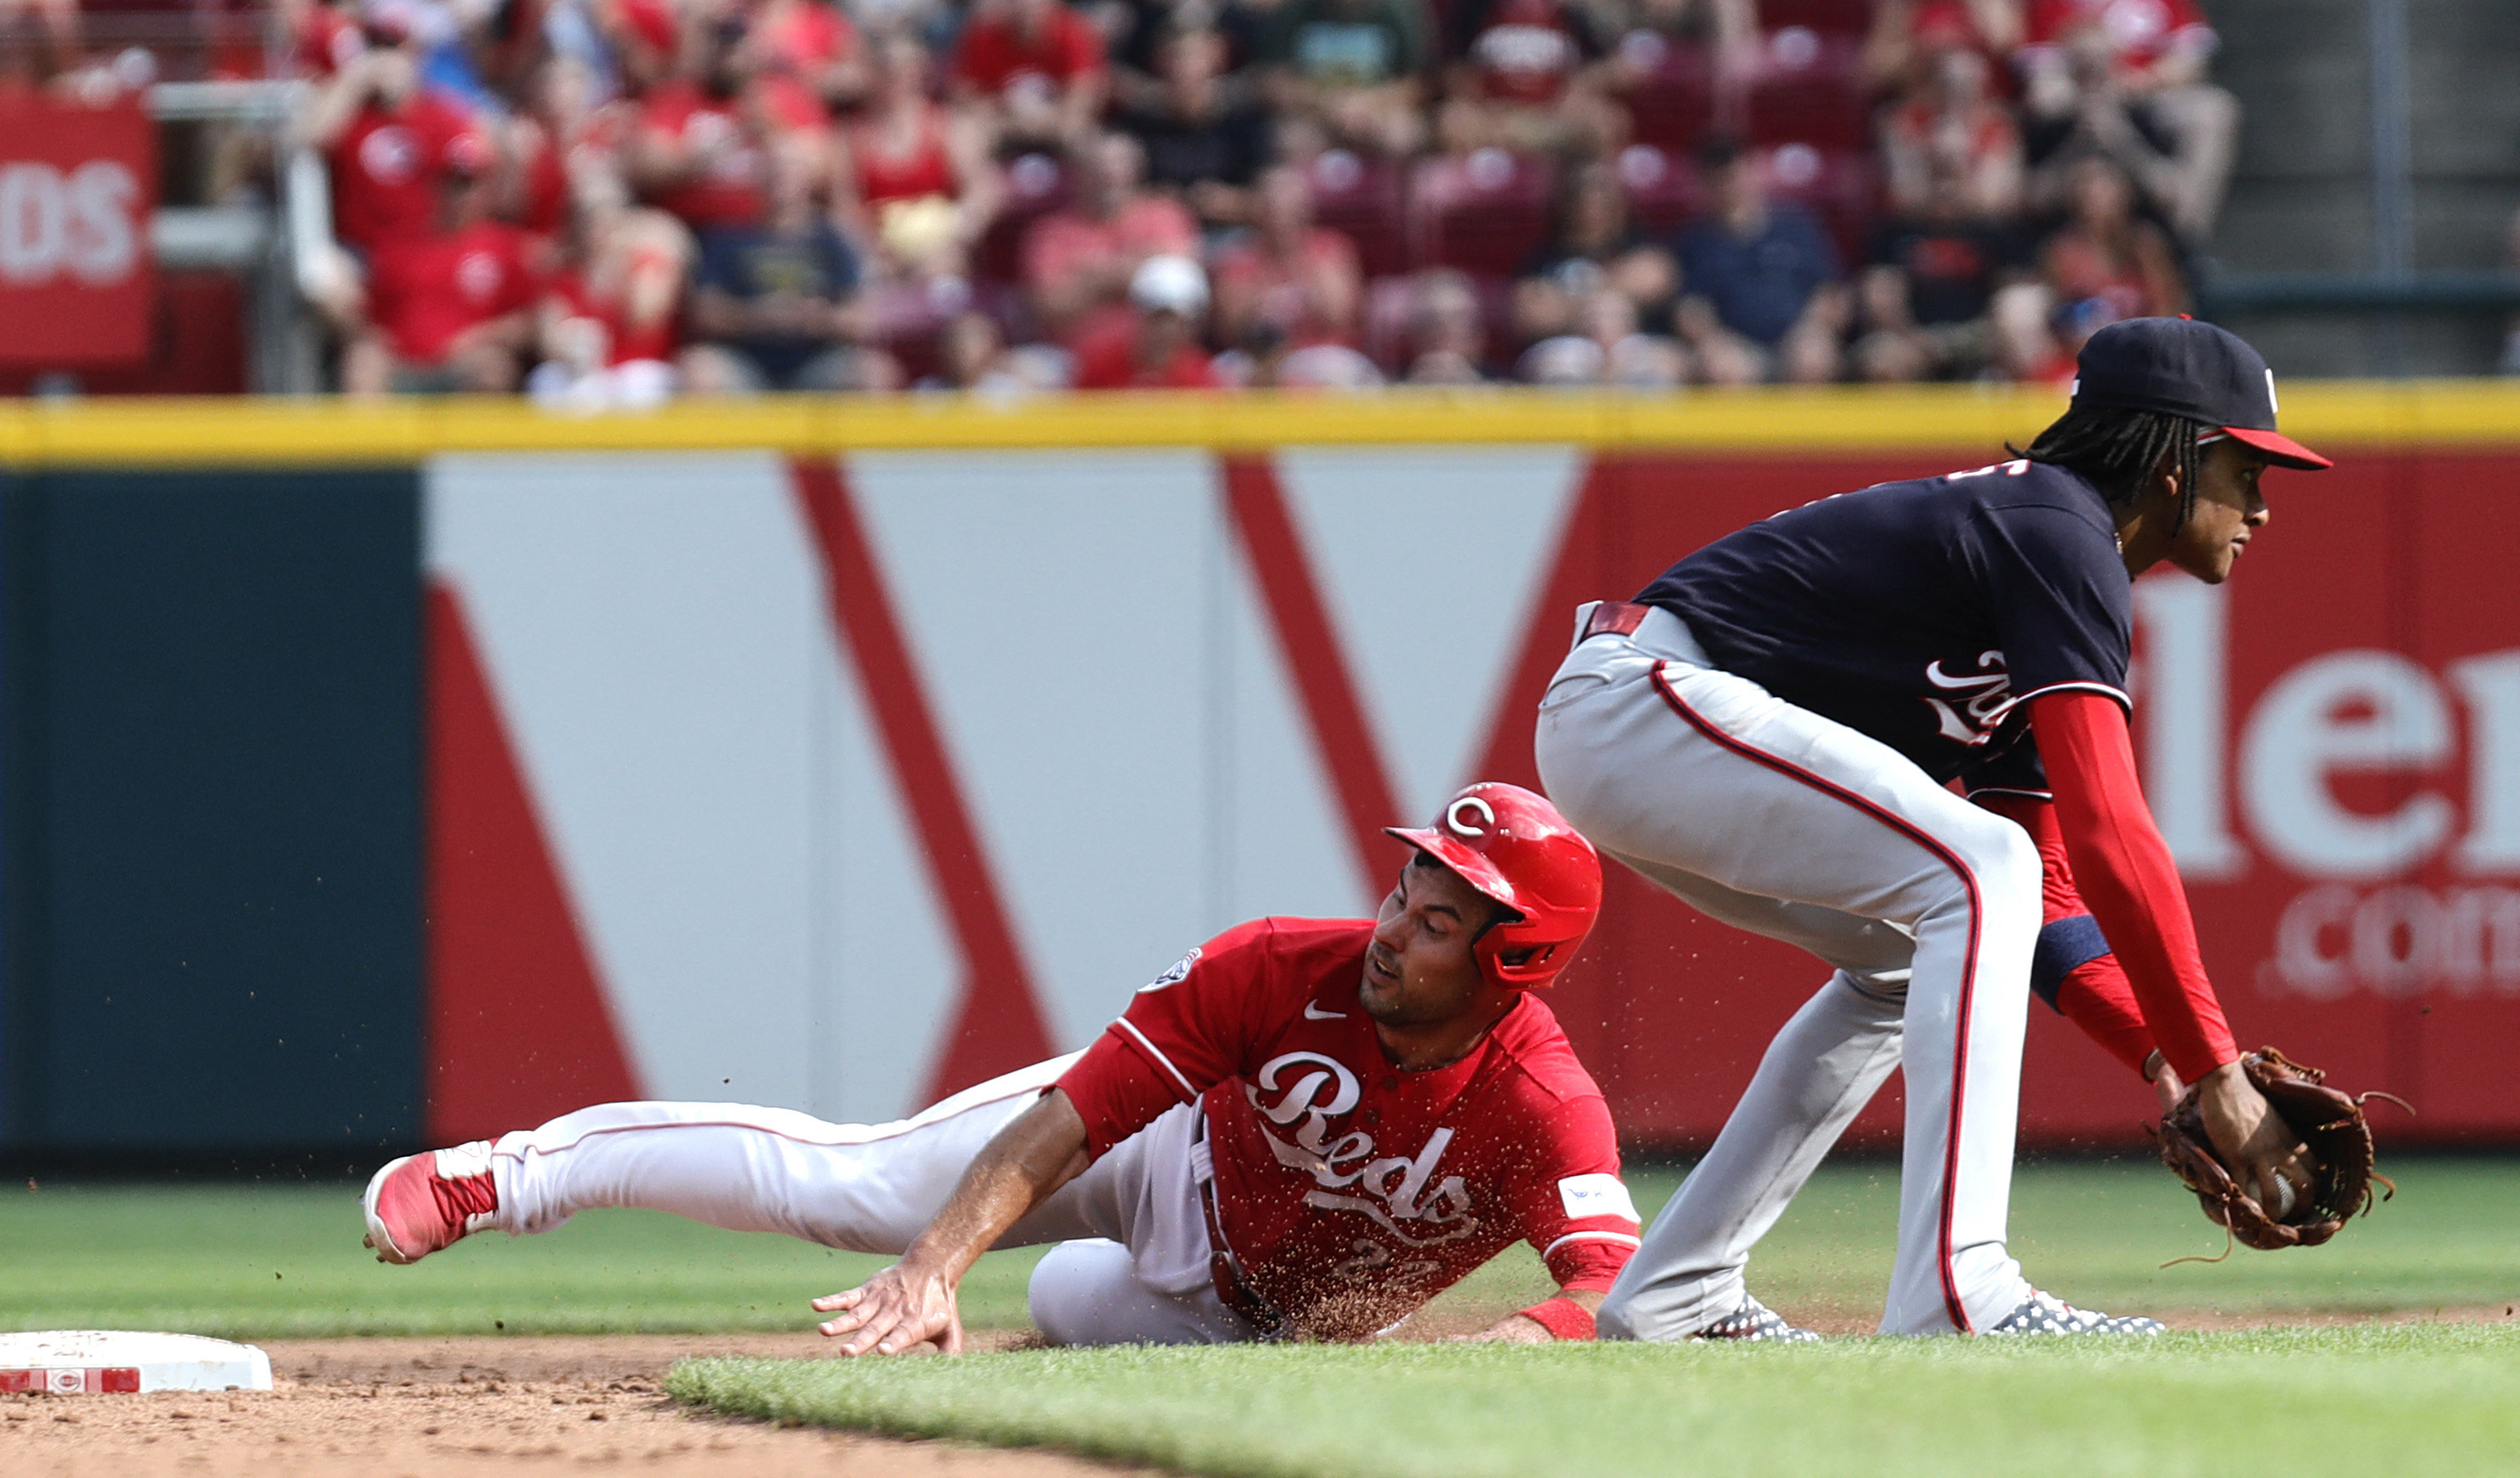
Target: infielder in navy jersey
1775 729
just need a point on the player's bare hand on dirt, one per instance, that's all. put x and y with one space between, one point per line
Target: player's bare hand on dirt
2253 1140
894 1312
1512 1329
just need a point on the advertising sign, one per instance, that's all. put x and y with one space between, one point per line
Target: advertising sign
78 186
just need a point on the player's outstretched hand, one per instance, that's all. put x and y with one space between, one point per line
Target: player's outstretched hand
2265 1157
895 1311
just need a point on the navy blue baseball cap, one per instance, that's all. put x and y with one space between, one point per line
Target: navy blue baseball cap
2184 367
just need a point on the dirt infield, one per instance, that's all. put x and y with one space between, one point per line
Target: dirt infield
520 1408
538 1406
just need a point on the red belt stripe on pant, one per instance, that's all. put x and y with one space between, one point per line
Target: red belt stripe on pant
1234 1287
1614 618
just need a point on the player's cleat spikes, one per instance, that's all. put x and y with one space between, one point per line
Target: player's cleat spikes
1755 1321
422 1203
2047 1313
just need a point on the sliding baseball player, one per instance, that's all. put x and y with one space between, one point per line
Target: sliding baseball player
1305 1129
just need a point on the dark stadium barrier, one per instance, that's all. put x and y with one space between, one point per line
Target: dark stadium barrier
209 765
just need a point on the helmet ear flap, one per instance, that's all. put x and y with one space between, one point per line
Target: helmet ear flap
1513 846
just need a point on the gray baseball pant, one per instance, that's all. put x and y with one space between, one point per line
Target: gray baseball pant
1132 1267
1773 818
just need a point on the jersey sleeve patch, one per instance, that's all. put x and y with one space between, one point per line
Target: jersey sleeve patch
1174 974
1586 1196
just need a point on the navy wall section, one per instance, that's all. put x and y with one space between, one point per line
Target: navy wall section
212 926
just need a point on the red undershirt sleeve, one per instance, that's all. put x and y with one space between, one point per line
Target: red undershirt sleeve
2124 870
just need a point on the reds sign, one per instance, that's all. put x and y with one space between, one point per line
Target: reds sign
78 186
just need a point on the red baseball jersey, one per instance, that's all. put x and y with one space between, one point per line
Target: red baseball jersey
1349 1191
727 190
425 294
386 168
2139 31
994 56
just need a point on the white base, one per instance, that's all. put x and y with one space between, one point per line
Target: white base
89 1361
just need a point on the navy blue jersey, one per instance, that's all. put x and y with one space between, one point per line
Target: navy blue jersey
1920 613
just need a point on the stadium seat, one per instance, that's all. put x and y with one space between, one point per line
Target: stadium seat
1809 90
1036 186
1663 188
175 40
1830 18
1361 197
1484 211
1842 186
1673 105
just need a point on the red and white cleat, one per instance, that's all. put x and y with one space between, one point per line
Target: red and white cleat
422 1203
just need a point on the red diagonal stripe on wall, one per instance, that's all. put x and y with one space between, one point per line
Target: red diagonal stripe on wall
1310 646
998 1024
518 1028
1586 548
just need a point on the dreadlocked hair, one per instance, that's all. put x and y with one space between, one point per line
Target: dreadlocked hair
2118 450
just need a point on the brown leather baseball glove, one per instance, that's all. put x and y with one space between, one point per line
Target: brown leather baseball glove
2328 1121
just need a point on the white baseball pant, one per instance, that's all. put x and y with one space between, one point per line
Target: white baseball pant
1773 818
1133 1266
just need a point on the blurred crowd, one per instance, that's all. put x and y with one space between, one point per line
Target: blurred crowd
611 202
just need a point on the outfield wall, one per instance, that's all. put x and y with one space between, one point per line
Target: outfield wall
819 756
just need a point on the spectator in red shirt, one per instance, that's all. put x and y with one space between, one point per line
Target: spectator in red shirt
448 309
1909 35
814 44
1033 68
701 147
1948 126
1299 280
920 171
643 37
389 142
607 319
564 136
323 36
1078 262
1158 348
2127 78
1529 75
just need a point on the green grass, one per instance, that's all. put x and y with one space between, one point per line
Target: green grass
282 1262
268 1262
2404 1401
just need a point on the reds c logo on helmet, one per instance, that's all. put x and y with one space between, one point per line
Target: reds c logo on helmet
1511 845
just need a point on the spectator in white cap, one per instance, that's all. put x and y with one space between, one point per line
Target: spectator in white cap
1158 348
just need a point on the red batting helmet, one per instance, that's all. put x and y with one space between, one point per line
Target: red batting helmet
1513 846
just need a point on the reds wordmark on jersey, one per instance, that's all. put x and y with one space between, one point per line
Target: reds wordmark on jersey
1350 1192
